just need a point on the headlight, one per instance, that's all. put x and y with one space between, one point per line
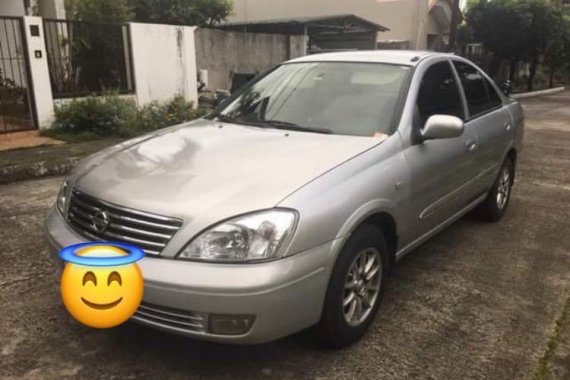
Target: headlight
62 196
259 236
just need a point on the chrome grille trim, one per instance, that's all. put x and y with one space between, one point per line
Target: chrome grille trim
181 319
149 231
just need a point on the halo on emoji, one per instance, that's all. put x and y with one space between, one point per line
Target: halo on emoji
101 284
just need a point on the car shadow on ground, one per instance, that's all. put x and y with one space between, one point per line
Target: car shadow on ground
182 354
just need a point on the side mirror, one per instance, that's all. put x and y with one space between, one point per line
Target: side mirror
220 97
442 127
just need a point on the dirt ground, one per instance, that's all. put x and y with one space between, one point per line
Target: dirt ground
25 140
478 301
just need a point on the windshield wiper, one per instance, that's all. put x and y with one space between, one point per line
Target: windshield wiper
229 119
278 124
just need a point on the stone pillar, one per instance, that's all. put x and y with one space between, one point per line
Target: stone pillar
39 71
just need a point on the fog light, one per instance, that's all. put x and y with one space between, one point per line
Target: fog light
230 324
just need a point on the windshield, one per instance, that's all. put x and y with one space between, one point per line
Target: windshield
328 97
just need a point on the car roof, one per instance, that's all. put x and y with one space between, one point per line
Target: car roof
396 57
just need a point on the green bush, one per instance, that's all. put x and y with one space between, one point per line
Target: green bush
156 115
100 116
110 115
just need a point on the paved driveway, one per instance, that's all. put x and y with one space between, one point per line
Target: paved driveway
479 301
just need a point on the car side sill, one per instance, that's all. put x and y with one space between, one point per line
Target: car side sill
410 247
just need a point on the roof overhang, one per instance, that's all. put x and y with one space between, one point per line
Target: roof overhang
304 25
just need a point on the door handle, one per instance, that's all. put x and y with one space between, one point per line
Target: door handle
471 145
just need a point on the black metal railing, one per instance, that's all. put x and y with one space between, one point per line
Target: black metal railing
88 58
16 104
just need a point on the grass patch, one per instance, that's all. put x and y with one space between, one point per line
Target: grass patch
70 137
544 367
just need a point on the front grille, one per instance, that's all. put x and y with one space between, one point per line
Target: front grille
148 231
180 319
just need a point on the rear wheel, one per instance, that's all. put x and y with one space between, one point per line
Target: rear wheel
495 206
355 288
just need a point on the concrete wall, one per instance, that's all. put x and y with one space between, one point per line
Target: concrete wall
51 8
404 18
12 8
164 62
46 8
223 53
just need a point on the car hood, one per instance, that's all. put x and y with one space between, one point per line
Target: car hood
211 171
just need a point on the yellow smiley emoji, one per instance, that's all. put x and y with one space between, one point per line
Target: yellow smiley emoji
101 296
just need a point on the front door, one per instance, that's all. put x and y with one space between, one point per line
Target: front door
440 169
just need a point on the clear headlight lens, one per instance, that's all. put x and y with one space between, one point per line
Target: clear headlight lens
62 196
258 236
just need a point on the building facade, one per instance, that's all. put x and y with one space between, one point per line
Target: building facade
413 24
43 8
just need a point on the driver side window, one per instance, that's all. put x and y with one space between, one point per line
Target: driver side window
439 94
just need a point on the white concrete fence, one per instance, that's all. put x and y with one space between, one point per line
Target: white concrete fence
163 64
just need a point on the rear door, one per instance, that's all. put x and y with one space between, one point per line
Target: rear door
488 119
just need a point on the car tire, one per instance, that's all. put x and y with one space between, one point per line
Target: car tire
338 326
495 205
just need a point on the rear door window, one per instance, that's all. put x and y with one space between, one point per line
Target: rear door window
494 98
475 89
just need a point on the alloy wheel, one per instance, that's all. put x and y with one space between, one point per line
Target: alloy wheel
362 286
504 188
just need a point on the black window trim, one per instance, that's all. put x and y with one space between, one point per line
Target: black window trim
470 117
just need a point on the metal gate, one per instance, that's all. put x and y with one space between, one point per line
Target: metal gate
17 112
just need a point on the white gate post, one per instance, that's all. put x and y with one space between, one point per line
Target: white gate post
164 62
39 71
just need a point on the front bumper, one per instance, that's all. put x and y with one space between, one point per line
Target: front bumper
284 296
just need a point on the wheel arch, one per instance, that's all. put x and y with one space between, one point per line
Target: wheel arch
386 223
381 214
512 154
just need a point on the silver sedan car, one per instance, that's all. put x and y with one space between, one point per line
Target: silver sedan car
288 205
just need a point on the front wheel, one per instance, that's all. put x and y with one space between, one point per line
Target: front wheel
355 288
494 207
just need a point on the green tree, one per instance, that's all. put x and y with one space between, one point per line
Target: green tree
183 12
98 10
557 54
515 30
503 29
179 12
544 17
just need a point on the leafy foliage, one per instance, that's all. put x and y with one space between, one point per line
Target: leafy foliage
502 26
557 54
156 115
112 115
185 12
179 12
516 30
102 116
99 10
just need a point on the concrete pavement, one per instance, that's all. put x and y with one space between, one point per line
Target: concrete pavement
479 301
